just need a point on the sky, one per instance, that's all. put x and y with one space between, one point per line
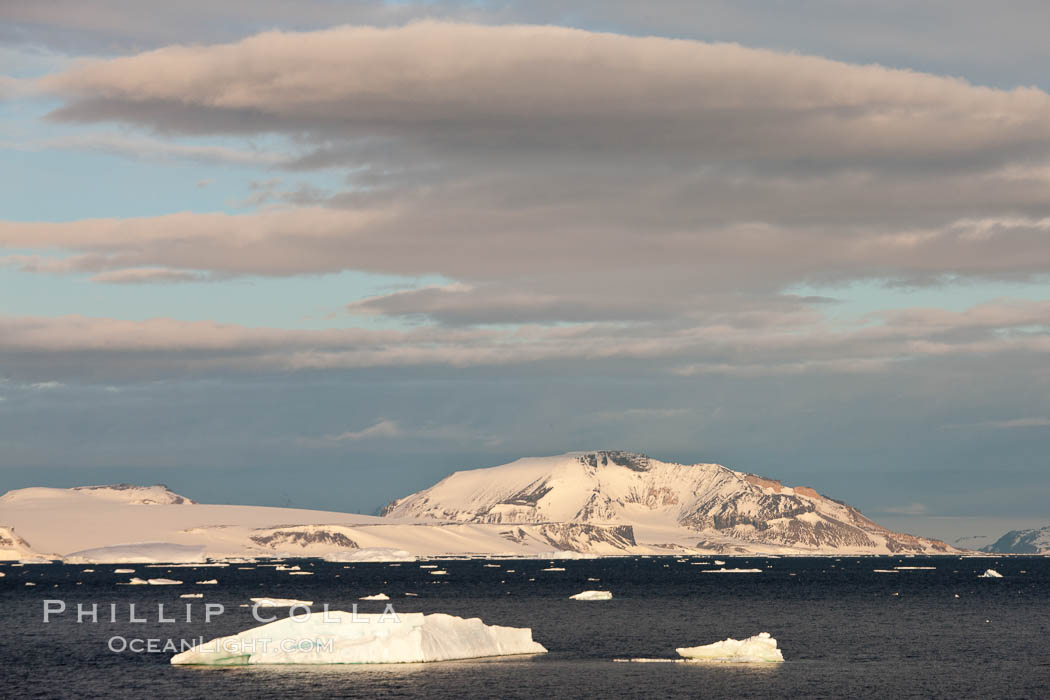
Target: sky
322 253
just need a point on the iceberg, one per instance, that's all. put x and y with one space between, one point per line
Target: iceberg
592 595
990 573
208 582
280 602
724 570
377 596
758 649
344 638
370 554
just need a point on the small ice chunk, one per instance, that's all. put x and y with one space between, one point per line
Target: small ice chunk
760 648
438 572
192 595
724 570
300 573
163 582
553 568
208 582
359 639
377 596
990 573
592 595
123 571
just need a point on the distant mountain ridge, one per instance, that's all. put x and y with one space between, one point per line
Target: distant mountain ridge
1030 541
699 506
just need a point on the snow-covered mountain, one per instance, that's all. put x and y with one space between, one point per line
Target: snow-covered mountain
1033 541
668 506
591 503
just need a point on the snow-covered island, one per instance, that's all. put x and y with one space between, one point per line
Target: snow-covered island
573 505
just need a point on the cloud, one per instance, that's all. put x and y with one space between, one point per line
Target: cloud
1030 422
653 179
910 509
1016 330
383 429
386 429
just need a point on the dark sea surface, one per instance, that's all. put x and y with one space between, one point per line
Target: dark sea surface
845 630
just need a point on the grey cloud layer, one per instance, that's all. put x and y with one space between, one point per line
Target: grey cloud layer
751 344
560 174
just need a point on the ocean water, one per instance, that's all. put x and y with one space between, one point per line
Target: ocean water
845 630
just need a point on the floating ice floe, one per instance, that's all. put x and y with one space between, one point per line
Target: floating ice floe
123 571
915 568
553 568
438 572
758 649
285 567
724 570
592 595
300 573
280 602
370 554
990 573
151 582
343 638
885 571
192 595
377 596
208 582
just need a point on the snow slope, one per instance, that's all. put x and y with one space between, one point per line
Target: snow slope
671 506
95 526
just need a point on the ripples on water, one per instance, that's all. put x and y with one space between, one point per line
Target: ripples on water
846 631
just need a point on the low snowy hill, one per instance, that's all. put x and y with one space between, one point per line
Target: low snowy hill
113 493
1035 541
664 505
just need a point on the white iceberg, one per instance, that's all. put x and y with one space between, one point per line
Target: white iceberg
553 568
377 596
724 570
990 573
208 582
370 554
758 649
280 602
592 595
344 638
123 571
192 595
